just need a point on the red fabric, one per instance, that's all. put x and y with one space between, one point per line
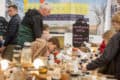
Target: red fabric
55 54
57 61
102 47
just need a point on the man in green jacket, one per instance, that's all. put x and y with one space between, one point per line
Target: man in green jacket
32 24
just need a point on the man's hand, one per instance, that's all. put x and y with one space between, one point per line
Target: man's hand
2 49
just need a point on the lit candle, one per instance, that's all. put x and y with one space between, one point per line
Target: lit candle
4 64
38 63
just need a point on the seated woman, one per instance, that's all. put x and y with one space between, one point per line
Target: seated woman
41 47
106 37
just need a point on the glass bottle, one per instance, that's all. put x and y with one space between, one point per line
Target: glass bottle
26 54
17 54
56 73
51 59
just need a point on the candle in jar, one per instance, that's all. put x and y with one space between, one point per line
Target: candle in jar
4 64
38 63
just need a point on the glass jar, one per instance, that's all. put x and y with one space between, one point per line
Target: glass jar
56 73
17 54
51 59
26 54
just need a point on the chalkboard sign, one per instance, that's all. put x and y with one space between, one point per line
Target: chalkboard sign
3 26
80 32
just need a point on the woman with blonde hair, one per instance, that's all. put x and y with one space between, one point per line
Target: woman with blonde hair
106 37
111 55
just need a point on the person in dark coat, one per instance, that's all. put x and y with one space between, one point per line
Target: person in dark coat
32 25
3 26
111 54
12 32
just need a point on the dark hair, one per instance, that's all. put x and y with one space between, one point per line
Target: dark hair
13 6
55 41
45 27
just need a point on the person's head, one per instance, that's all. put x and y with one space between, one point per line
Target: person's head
116 21
53 43
108 35
46 32
45 28
45 9
12 10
